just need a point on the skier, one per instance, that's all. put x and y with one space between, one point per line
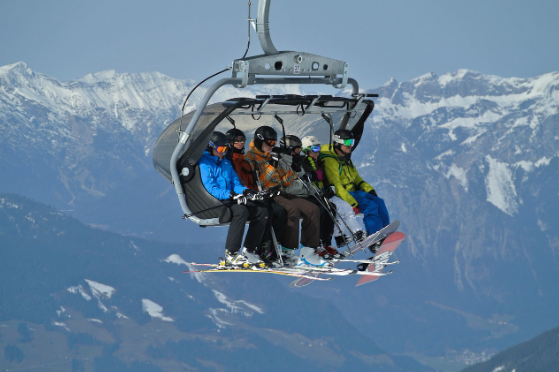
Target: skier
276 212
291 145
315 167
272 173
349 186
236 154
221 181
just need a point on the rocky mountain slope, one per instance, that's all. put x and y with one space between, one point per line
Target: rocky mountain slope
81 299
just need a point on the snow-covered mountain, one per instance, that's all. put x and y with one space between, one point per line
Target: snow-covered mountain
468 162
87 136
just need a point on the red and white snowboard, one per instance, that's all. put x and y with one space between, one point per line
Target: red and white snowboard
382 256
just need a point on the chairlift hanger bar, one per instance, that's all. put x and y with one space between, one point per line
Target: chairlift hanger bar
285 63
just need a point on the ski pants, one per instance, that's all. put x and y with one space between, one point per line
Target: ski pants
258 213
375 214
276 220
296 208
326 222
345 213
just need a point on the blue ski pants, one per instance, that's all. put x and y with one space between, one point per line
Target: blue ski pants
375 214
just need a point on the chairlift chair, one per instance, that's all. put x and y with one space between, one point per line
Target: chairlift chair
177 150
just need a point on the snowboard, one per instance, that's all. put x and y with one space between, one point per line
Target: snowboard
380 259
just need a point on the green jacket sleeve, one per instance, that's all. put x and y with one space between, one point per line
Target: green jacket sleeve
331 168
361 184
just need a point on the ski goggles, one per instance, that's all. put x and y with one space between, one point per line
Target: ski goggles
346 142
314 148
239 140
271 142
219 149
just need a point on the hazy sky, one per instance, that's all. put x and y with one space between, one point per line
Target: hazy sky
380 39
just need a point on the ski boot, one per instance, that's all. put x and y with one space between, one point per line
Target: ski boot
289 257
254 259
235 260
309 258
342 240
327 252
271 260
375 246
359 236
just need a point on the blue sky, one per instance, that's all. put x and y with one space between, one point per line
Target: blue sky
380 39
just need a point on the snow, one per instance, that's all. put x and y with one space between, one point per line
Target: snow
176 259
154 310
500 188
79 289
100 290
59 324
459 174
529 166
214 316
239 306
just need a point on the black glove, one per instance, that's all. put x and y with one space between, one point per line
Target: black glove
248 192
314 176
373 192
307 177
297 162
329 193
275 158
273 191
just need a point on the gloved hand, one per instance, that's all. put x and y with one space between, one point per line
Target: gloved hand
275 158
273 191
329 193
239 198
373 192
252 195
297 162
356 210
307 177
248 192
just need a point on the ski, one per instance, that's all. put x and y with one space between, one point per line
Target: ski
380 259
366 261
265 271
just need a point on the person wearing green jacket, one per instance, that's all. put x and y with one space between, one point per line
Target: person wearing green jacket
350 187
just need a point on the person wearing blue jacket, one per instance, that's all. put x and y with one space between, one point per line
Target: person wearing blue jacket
221 181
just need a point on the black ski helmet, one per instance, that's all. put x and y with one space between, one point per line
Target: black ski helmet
291 142
264 133
216 140
232 135
235 133
341 136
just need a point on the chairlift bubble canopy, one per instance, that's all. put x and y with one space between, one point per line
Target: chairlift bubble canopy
313 115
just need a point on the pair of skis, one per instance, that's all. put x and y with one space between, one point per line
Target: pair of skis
368 269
